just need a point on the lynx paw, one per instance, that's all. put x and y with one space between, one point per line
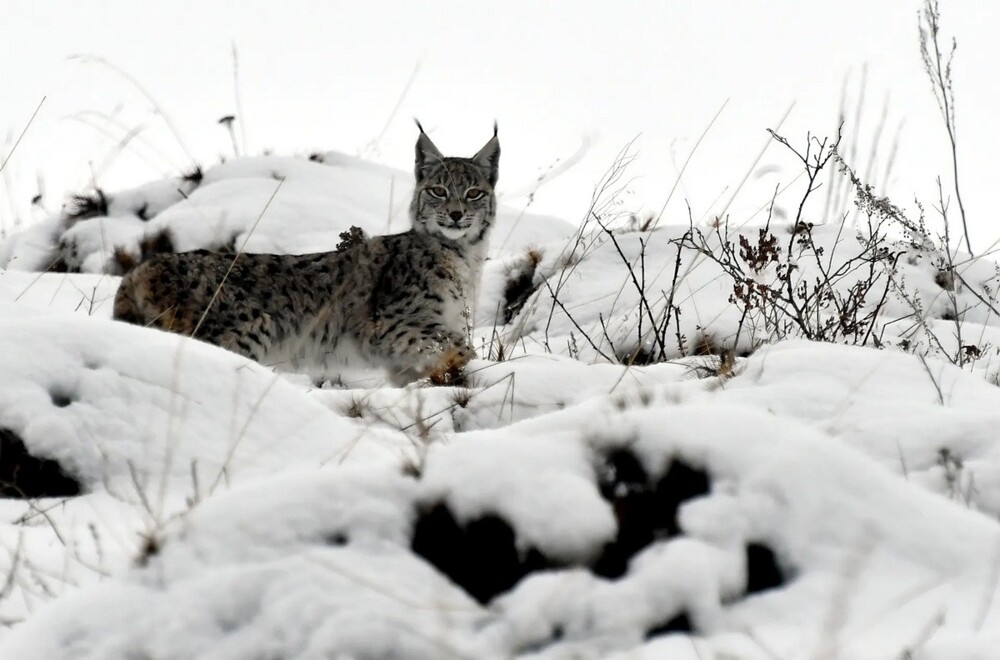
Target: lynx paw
448 369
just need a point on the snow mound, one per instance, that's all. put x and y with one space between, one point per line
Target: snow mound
144 424
656 505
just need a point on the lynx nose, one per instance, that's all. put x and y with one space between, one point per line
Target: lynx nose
456 216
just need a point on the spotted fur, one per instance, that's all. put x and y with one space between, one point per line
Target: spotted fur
400 301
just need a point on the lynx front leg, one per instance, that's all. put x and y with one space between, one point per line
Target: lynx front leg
449 368
433 352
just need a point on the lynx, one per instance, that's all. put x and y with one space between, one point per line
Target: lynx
401 301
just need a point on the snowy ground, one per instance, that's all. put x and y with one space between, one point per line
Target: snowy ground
812 500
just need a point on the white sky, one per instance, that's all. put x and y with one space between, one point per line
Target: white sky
326 75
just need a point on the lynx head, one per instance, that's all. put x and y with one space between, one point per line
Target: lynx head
454 197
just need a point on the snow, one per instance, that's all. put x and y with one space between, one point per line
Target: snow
269 203
810 500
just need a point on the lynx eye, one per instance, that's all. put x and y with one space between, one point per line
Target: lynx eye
438 191
474 194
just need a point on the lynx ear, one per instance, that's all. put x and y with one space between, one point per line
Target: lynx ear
428 156
489 157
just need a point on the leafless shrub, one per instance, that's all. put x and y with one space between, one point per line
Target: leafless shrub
919 243
348 239
193 176
81 206
653 342
520 284
792 287
159 242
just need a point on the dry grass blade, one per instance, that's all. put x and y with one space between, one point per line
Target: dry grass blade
239 99
239 252
937 65
86 59
23 131
687 161
372 147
